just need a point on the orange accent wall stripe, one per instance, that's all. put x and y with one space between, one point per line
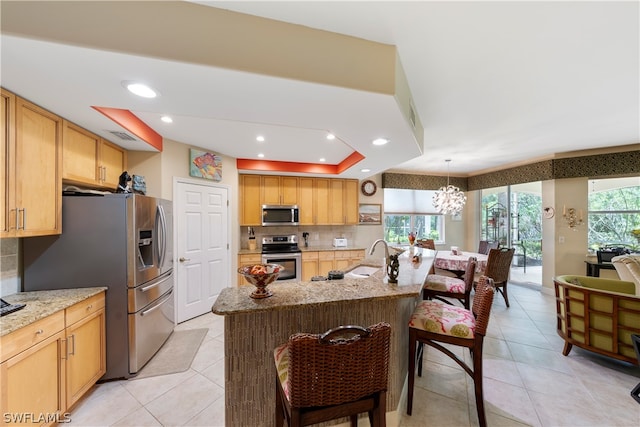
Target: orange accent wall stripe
298 167
133 124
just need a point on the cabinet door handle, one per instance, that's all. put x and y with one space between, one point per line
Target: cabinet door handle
39 332
73 345
24 218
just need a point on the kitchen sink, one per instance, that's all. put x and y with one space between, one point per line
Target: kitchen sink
362 272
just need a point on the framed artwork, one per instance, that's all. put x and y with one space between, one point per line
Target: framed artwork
206 165
370 214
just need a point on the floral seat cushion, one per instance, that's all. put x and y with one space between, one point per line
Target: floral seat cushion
281 358
445 319
437 282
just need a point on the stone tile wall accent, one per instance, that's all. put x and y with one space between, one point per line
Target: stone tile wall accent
9 266
594 166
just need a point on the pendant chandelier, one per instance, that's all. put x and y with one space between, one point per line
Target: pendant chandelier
449 199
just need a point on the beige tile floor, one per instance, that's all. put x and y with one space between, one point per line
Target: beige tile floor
527 381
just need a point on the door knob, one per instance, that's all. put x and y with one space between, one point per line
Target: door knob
183 259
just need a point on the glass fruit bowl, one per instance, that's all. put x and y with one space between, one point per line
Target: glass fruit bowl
261 275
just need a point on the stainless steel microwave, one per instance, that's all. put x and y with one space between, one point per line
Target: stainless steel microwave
280 215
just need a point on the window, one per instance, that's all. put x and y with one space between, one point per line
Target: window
411 210
614 212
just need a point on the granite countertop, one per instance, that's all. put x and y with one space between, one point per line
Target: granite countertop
40 304
288 295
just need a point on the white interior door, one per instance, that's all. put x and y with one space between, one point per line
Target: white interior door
202 246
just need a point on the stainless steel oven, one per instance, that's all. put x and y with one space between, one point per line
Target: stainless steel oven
283 250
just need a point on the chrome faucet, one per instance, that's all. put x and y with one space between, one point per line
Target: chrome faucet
386 250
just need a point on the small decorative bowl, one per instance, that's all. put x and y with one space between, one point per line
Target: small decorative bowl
261 275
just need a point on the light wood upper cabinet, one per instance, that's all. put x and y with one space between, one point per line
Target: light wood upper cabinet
91 160
80 154
351 201
7 160
336 200
32 160
322 201
113 161
279 190
250 207
305 201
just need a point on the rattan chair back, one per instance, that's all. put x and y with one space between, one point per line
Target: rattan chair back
485 246
426 244
499 264
498 267
334 368
469 273
481 308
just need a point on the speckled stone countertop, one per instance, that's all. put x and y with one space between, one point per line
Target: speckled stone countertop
303 249
40 304
288 295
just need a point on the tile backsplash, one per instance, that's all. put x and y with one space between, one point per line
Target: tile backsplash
319 236
9 281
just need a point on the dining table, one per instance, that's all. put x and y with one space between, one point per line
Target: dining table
457 263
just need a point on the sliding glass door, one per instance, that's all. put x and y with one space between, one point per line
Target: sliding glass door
512 216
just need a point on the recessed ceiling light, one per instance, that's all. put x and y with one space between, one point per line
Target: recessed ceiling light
166 119
260 138
323 159
140 89
365 170
331 136
261 155
380 141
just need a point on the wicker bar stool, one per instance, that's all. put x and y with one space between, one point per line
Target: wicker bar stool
433 323
340 373
442 287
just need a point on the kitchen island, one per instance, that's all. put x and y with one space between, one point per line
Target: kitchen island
254 327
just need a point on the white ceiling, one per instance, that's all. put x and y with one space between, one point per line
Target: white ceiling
494 84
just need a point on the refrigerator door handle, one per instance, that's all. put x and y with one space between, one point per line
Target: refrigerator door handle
162 241
158 304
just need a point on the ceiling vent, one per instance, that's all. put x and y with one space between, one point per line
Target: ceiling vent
124 136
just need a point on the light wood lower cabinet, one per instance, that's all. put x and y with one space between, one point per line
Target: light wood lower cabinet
33 381
48 365
247 259
86 355
322 262
309 265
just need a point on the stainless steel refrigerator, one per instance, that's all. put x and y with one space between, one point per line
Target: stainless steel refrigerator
123 242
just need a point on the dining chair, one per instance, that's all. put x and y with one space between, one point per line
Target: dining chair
426 243
441 287
498 267
485 246
434 324
339 373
